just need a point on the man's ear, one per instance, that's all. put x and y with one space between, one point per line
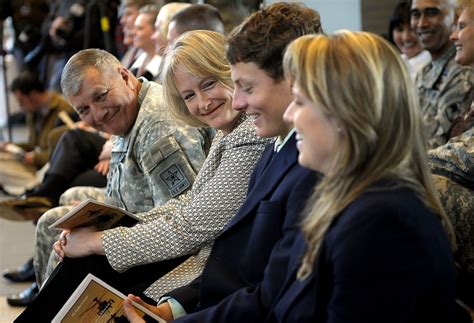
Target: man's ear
125 74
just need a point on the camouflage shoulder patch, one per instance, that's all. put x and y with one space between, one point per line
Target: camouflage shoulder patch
175 180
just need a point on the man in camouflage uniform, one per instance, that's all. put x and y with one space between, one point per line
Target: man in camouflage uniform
453 163
442 84
452 166
153 158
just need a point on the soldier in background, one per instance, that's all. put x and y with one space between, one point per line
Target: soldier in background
453 163
442 84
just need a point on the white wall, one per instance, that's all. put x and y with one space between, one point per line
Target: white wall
336 14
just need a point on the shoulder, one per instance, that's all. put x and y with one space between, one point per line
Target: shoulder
386 207
460 77
244 135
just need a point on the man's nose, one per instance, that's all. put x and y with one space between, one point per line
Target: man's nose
238 102
99 113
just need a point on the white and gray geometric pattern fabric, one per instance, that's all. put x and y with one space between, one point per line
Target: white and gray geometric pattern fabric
190 223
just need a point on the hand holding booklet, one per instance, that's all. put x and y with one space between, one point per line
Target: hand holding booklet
101 215
96 301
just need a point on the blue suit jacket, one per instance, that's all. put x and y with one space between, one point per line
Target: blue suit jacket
386 258
234 282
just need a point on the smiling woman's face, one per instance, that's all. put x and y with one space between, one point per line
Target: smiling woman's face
463 39
207 99
107 101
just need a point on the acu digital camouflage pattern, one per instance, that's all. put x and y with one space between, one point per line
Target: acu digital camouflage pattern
458 202
453 167
442 87
44 260
157 160
455 159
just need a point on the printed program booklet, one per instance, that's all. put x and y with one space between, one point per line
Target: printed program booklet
101 215
96 301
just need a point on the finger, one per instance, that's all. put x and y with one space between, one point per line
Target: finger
130 312
138 300
63 239
58 250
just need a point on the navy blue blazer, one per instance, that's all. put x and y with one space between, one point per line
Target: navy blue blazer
386 258
262 232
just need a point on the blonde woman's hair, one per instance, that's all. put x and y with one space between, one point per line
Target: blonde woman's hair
202 53
467 5
361 82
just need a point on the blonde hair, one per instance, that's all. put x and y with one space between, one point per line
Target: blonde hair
202 53
467 5
360 80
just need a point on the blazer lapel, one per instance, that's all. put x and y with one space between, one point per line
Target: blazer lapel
292 289
270 177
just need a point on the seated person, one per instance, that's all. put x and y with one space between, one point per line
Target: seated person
177 235
148 62
198 16
128 12
45 110
147 142
262 232
452 164
161 25
372 239
442 85
401 34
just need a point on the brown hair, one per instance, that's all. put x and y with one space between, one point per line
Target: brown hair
263 37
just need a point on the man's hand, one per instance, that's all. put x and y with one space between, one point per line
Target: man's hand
163 310
102 167
79 243
29 158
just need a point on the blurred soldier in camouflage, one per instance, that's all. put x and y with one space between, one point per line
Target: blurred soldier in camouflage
442 84
453 163
153 158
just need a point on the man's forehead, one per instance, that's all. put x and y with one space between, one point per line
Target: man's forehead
423 4
243 71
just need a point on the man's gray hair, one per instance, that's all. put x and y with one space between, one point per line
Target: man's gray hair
73 73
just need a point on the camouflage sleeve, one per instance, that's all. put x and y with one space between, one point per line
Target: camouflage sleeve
458 203
81 193
455 159
167 166
184 230
449 106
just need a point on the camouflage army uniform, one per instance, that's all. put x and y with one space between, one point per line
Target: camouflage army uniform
442 87
189 225
155 161
453 167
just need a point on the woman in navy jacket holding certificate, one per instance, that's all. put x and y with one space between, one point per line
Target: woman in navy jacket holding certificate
373 247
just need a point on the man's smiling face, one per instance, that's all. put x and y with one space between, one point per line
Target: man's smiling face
107 101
